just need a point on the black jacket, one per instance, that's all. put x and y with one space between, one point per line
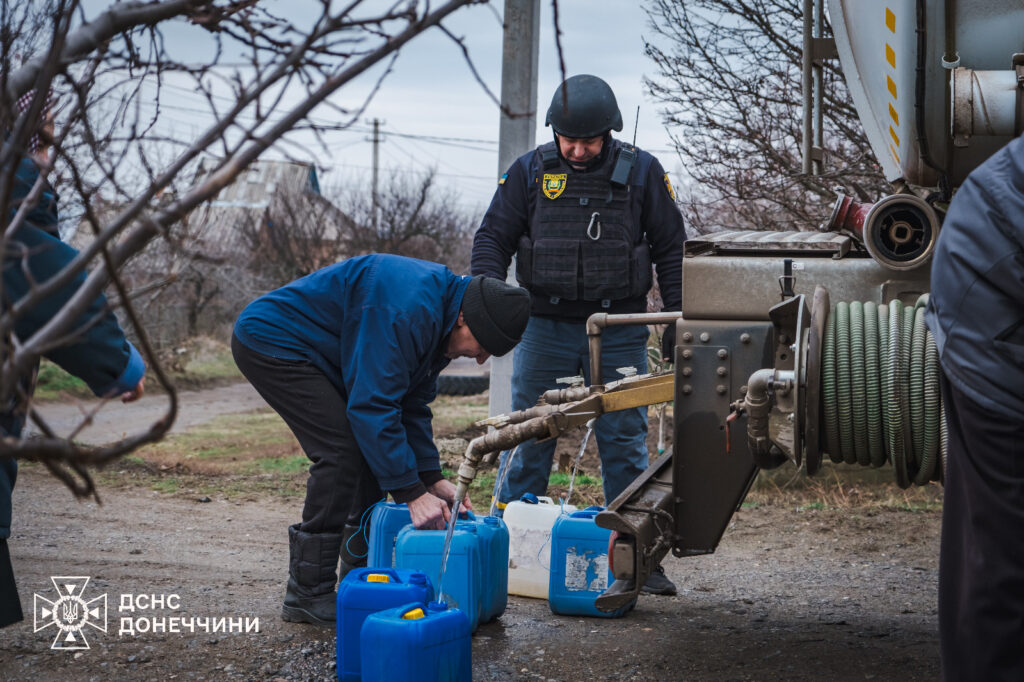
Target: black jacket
976 308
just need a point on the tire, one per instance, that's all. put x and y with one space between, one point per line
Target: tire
461 384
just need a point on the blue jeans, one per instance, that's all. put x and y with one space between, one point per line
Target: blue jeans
550 350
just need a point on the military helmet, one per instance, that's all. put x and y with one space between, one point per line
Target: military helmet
586 109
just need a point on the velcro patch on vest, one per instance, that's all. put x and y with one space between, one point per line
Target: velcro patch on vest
553 185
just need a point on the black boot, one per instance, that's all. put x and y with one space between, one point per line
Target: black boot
310 597
354 550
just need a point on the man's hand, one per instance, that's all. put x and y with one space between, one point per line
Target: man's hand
668 344
135 393
445 489
429 512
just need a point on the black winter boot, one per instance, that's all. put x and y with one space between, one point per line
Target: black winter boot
354 550
310 597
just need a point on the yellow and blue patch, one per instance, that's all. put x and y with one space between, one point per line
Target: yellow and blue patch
668 186
553 185
503 178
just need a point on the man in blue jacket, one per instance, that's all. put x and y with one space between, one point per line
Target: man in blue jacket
100 354
349 357
976 314
586 216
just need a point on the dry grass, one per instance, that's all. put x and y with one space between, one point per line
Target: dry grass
250 455
841 487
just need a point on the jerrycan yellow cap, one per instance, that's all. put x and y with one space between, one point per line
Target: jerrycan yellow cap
378 578
414 614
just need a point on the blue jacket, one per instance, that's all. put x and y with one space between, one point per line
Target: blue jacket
652 203
101 355
376 326
976 308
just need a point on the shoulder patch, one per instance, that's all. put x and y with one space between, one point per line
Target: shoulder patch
503 178
668 186
553 185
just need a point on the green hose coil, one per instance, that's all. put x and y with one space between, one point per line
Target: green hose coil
880 390
828 391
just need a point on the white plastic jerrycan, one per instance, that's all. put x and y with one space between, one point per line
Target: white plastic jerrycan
529 522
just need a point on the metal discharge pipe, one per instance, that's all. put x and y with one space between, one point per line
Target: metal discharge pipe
598 321
515 428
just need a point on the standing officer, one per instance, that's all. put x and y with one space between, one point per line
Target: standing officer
349 357
586 216
976 314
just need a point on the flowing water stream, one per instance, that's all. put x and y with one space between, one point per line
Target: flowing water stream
444 552
576 463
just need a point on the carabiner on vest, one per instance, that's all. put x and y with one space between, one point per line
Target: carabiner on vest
595 222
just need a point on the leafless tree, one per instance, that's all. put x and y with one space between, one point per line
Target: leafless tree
413 217
113 77
729 82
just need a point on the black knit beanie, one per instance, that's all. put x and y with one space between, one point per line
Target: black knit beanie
496 313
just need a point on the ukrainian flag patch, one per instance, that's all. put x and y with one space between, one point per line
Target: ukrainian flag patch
668 186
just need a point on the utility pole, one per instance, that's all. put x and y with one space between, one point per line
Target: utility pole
516 135
376 167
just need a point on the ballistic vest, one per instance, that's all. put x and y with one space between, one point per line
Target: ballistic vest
583 244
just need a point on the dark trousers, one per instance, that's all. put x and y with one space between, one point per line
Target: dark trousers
10 605
340 486
981 564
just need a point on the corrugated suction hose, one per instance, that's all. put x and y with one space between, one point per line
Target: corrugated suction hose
880 390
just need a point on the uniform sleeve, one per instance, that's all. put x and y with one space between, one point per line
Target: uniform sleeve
663 224
506 220
100 354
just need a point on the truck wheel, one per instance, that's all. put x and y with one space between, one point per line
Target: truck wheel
457 384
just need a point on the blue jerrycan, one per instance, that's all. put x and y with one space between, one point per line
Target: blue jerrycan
385 522
464 581
415 642
368 590
494 540
579 565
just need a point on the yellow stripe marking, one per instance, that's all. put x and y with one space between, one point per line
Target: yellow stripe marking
895 116
894 154
892 87
890 19
895 137
890 55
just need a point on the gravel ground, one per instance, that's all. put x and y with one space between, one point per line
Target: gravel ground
790 594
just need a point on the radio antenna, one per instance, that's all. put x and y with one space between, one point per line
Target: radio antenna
636 122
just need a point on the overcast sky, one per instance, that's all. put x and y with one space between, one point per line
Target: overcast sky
433 93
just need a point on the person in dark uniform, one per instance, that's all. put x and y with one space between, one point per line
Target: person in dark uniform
976 314
586 216
99 353
349 357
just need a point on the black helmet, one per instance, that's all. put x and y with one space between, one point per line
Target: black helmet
587 109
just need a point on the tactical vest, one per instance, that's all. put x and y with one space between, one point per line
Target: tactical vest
583 243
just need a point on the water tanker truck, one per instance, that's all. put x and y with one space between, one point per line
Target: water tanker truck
797 346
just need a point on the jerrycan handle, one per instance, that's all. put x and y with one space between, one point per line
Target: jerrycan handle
465 514
380 575
588 513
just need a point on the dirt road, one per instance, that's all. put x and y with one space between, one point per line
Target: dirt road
791 594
